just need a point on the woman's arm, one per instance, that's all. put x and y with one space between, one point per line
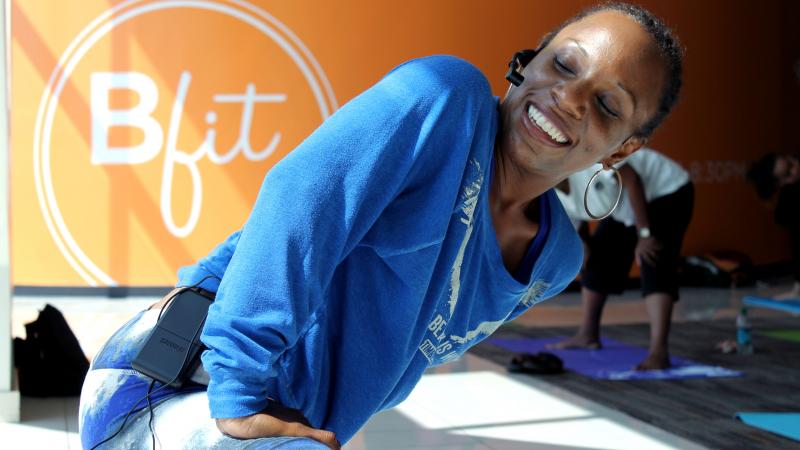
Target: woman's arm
647 247
314 208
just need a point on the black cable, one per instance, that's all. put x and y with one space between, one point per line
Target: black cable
152 383
172 297
150 407
169 300
125 419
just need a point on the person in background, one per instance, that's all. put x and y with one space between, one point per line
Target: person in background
776 173
647 227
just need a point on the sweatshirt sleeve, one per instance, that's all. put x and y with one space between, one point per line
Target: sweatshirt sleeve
312 210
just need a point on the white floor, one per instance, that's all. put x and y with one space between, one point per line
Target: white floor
475 404
469 404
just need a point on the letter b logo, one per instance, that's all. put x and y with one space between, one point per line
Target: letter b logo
140 116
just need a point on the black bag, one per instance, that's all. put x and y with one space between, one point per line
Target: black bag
717 269
49 361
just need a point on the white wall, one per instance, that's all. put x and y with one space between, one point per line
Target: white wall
9 399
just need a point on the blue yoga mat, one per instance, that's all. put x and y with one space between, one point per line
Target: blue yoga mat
792 306
784 424
615 361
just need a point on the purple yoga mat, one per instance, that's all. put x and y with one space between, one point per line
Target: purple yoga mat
615 361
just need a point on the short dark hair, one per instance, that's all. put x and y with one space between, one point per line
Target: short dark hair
669 48
762 175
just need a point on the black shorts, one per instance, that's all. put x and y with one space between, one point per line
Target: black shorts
612 246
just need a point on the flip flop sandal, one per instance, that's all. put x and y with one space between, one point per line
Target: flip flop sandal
542 363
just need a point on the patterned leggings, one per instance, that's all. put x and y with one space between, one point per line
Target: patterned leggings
181 418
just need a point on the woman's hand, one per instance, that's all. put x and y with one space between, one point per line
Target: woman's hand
160 304
276 420
647 251
647 248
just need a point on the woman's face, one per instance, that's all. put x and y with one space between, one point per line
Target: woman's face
583 97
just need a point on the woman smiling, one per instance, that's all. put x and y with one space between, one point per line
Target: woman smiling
407 228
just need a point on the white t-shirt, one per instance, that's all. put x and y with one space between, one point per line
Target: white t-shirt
660 176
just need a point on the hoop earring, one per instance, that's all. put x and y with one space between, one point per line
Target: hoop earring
616 202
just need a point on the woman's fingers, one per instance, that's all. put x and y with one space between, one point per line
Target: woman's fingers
650 255
641 255
650 258
324 436
265 425
647 251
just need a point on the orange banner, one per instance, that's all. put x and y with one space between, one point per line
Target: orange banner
141 129
155 126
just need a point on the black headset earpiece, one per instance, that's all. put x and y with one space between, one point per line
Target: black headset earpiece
520 60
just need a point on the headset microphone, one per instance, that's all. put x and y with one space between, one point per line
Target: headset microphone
520 60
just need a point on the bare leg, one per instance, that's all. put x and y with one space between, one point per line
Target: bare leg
659 308
588 336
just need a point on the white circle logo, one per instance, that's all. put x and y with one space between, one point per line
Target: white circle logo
104 118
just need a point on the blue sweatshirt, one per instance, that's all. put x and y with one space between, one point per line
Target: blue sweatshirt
370 255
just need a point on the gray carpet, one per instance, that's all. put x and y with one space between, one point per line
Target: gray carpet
700 410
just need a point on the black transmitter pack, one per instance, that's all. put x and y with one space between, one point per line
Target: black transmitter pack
172 351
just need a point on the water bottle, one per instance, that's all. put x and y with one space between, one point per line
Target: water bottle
744 333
